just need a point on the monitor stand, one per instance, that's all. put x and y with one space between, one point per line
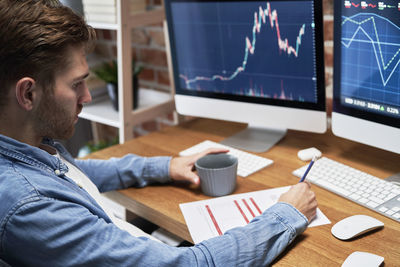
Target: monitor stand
255 139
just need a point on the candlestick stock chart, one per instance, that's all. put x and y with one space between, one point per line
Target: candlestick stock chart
262 49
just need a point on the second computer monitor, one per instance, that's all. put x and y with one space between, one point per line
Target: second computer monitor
367 73
257 62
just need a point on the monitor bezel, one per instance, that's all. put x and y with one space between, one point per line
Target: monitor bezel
320 105
337 104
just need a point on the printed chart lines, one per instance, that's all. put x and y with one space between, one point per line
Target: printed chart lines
213 220
253 210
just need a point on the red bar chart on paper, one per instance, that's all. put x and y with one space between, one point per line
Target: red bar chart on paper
210 218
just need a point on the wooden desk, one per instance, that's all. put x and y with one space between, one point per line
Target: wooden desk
317 246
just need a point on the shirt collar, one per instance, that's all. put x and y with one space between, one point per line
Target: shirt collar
32 155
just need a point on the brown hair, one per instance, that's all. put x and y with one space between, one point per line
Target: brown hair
34 39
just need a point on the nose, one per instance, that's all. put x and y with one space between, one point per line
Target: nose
86 96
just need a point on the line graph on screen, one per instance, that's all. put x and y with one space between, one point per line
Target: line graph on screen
368 27
371 57
277 59
260 19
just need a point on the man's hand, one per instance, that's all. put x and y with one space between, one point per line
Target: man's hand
181 168
302 198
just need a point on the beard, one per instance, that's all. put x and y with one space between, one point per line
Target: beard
55 120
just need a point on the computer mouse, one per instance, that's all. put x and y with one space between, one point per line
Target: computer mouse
309 153
354 226
362 259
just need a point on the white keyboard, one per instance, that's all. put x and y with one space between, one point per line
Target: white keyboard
247 163
360 187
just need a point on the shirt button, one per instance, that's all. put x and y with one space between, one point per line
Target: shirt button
57 172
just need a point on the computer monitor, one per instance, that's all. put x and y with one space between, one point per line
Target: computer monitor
366 104
255 62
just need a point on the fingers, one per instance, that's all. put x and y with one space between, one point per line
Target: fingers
213 150
181 170
302 198
194 178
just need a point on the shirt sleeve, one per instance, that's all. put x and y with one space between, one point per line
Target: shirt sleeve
259 242
130 170
59 233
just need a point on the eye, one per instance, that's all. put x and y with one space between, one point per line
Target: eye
77 85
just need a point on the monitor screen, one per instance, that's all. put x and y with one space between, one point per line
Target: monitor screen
367 73
258 62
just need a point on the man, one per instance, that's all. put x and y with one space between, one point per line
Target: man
50 214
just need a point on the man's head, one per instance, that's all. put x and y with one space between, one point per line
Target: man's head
57 112
40 41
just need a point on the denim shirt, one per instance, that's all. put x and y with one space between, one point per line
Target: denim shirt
47 220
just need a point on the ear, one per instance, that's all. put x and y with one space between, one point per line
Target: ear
26 93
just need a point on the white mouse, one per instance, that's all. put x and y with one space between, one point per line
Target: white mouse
362 259
309 153
354 226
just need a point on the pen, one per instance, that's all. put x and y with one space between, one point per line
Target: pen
308 169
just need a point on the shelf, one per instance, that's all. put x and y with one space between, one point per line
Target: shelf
102 111
104 26
152 104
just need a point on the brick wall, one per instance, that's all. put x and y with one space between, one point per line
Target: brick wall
328 45
148 48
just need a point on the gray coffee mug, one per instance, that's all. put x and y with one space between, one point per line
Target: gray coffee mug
217 174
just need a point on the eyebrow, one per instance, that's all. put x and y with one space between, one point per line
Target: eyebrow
82 77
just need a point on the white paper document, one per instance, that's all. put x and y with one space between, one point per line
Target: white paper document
213 217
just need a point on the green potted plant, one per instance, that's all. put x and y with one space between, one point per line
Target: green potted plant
108 72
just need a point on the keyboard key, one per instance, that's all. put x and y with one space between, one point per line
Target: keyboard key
396 190
355 196
372 204
376 199
390 196
390 212
383 209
